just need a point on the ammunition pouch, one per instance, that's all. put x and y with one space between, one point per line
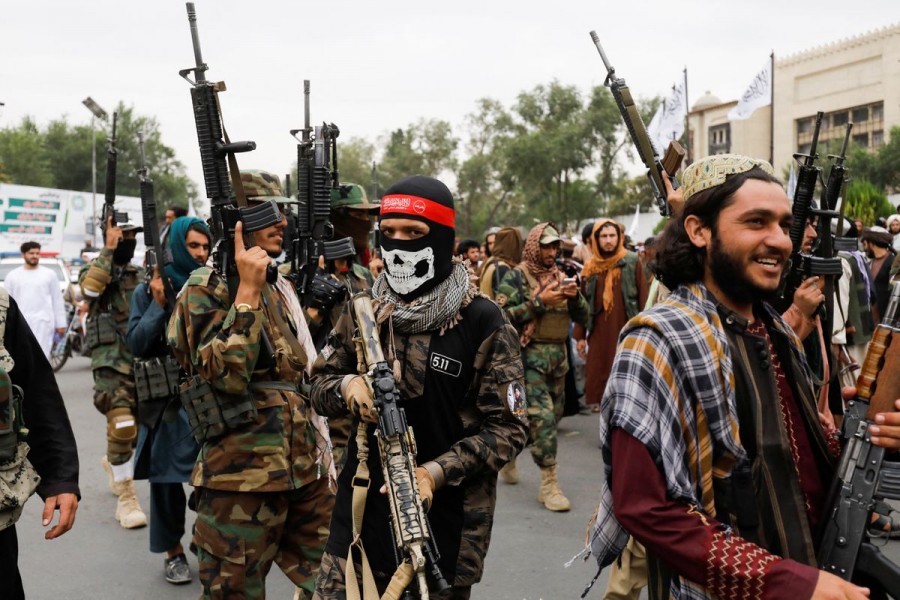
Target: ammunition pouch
12 424
100 330
552 327
18 481
212 413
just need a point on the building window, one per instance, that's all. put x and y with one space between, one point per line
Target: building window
720 139
868 128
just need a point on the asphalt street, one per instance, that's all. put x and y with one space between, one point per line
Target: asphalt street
100 560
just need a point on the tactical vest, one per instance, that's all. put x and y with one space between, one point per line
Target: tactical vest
18 479
552 327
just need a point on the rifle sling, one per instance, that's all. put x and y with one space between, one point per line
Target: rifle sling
236 183
278 321
360 492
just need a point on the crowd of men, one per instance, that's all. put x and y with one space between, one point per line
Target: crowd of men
254 394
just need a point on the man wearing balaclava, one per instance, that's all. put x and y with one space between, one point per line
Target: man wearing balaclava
542 302
108 283
459 375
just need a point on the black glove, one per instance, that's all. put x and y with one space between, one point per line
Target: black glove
324 293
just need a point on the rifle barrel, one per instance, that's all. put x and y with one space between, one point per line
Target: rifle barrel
195 38
605 60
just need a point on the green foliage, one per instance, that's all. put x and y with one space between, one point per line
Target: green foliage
60 156
427 147
882 167
355 159
865 201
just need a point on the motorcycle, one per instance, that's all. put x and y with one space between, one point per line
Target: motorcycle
72 341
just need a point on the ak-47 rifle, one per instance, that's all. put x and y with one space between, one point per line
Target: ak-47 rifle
317 175
863 476
670 163
109 197
411 531
151 231
215 150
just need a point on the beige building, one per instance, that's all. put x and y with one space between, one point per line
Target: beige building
855 80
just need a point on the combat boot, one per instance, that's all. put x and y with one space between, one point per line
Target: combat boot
128 510
509 473
104 462
550 495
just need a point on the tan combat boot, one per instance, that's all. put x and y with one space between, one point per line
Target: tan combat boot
510 473
550 495
104 462
128 510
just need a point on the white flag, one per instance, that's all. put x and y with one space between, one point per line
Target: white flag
757 94
792 183
634 222
668 122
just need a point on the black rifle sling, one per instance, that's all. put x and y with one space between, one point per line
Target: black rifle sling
233 171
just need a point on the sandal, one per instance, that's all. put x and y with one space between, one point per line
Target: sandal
595 408
884 527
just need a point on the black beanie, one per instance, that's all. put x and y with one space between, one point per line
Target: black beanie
427 200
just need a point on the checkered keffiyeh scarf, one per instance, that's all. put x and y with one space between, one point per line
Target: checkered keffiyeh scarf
676 350
436 310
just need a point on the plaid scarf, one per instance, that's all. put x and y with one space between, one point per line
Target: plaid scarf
678 351
436 310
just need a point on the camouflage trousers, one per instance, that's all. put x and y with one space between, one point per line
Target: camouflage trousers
340 429
113 390
332 584
238 535
546 399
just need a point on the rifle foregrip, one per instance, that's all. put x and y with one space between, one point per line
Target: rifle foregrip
865 383
887 381
209 132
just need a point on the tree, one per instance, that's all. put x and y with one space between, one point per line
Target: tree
881 167
865 201
427 147
22 154
355 158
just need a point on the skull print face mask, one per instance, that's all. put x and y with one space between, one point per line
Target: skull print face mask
407 271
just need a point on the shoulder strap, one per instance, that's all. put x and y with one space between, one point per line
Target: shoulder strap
6 361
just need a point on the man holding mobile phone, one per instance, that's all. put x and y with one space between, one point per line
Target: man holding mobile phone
541 302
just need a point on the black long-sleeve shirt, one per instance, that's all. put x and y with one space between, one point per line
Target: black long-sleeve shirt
50 437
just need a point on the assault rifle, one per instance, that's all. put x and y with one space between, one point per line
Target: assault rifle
215 149
317 175
151 231
411 531
801 265
863 475
670 163
109 197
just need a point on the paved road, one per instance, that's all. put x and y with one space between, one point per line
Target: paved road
99 560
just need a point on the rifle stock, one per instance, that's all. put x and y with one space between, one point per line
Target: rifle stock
638 132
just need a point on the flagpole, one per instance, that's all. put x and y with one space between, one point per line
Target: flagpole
772 113
687 121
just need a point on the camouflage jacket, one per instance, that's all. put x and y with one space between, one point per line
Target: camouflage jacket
108 288
463 396
516 294
277 451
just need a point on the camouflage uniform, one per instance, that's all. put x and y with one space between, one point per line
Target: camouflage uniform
261 496
114 394
546 364
465 420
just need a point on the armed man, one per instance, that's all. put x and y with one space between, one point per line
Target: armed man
262 480
542 302
108 283
459 378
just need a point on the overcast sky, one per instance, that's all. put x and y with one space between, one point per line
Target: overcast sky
380 65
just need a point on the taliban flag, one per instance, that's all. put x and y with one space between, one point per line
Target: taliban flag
668 122
757 94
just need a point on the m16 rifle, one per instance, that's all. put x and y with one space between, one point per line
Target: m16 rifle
411 531
863 476
317 175
670 163
151 231
215 150
109 197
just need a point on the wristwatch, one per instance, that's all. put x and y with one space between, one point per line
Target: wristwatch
243 307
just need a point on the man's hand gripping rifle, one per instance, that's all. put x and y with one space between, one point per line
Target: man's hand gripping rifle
670 163
215 149
109 196
410 527
863 476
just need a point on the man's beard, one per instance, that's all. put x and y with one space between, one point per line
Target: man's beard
607 254
729 275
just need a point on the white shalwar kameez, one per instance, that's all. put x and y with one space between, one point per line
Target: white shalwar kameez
37 293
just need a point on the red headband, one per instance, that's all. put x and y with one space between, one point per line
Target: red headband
419 207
